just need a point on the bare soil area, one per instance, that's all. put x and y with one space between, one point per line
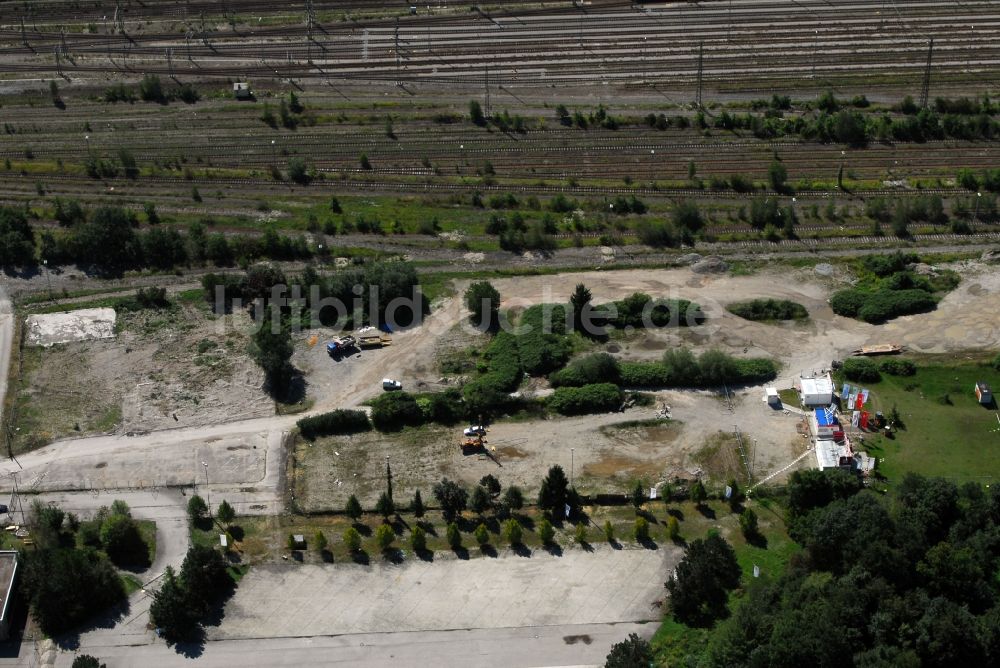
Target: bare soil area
164 369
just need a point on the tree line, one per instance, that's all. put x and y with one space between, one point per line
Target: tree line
110 240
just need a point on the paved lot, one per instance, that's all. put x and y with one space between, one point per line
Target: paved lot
578 645
541 590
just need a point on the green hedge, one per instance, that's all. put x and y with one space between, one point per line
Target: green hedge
644 374
442 407
596 368
597 398
394 410
768 309
503 360
487 395
734 371
861 369
897 367
335 422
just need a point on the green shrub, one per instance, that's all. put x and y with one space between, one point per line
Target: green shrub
644 374
487 395
996 362
629 312
755 370
681 369
442 407
597 398
335 422
394 410
542 351
768 309
876 306
882 305
596 368
885 265
897 367
848 302
861 369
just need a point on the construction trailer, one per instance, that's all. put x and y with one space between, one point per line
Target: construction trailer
771 396
815 390
241 91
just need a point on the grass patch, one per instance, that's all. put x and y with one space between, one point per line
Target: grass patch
941 438
675 644
789 397
147 529
294 409
131 583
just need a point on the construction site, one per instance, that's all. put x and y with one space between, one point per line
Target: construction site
783 214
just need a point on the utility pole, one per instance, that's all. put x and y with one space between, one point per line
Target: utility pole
486 79
24 34
58 61
119 17
701 48
399 81
310 16
62 37
364 45
170 63
310 22
926 88
208 492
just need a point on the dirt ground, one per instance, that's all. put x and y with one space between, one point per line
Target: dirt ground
195 367
164 369
605 453
603 457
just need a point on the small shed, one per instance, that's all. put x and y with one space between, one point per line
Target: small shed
771 396
983 393
241 91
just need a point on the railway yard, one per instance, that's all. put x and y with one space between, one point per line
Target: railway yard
159 159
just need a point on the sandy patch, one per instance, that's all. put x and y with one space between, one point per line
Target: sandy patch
85 324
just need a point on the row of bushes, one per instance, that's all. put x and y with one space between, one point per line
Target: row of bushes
333 423
768 309
864 370
394 410
679 368
596 398
110 240
596 368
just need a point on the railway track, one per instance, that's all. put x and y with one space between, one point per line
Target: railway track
122 185
613 41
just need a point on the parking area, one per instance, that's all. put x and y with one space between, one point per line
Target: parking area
578 587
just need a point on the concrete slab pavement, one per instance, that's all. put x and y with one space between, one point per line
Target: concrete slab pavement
578 587
563 645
